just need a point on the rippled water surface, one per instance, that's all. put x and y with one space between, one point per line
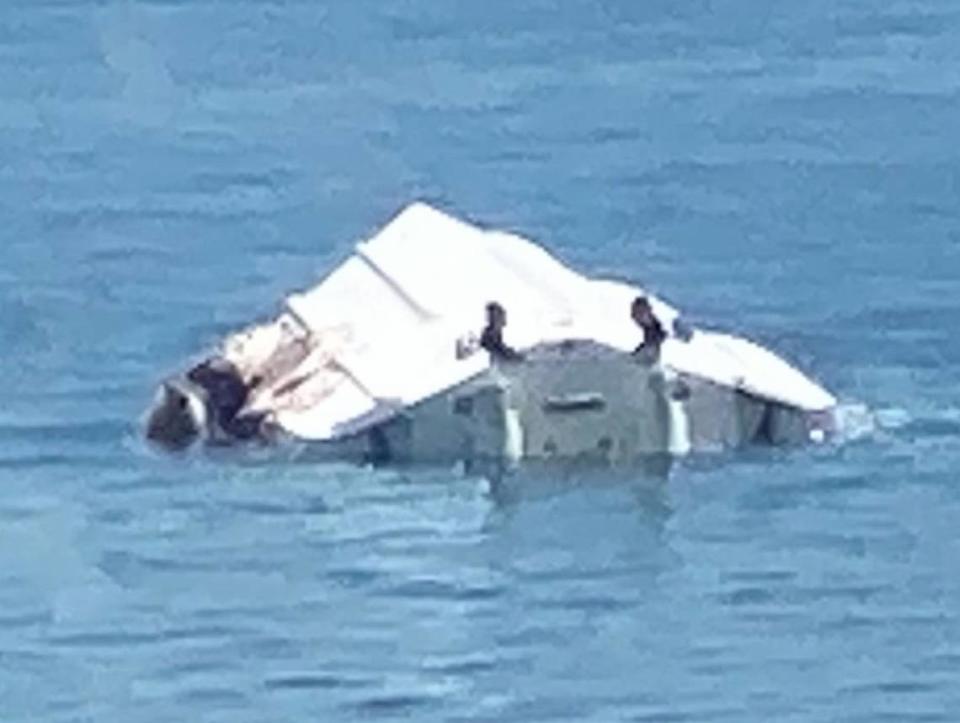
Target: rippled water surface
168 170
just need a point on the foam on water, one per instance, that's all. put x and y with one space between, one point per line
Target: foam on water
855 421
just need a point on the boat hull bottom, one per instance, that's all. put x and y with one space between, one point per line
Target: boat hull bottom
610 410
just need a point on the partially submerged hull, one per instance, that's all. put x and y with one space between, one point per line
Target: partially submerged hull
379 362
611 410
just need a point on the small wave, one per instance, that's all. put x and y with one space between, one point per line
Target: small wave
892 418
310 681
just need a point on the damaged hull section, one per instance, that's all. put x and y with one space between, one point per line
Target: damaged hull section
380 362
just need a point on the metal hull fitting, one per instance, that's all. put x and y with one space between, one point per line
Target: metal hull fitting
379 362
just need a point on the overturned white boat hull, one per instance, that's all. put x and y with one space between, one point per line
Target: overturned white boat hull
379 361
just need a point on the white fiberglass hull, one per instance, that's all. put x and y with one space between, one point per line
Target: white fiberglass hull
379 362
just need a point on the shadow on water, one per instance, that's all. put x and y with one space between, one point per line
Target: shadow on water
509 485
638 486
646 479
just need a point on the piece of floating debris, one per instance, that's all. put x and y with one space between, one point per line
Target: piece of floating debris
384 360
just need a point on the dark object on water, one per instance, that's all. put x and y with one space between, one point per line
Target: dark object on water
207 401
226 391
172 423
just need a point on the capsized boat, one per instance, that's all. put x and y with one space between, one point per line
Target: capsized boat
381 362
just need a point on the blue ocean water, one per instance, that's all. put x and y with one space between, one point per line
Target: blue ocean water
169 169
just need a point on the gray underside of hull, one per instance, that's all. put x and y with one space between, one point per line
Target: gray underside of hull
614 413
608 408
